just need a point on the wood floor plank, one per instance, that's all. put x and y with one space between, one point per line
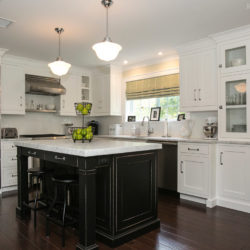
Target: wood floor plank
184 226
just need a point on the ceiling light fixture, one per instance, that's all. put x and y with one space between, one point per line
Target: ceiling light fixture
160 53
125 62
59 67
107 50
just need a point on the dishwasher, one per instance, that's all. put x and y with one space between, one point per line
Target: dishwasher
167 166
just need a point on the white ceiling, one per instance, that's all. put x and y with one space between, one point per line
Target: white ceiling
142 27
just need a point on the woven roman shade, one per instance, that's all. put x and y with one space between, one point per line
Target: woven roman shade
168 85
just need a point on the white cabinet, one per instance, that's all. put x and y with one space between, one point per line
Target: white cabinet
198 81
196 170
234 56
193 175
72 84
234 112
234 172
106 91
13 90
8 164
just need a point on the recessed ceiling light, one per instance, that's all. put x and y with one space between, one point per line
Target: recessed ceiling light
4 23
125 62
160 53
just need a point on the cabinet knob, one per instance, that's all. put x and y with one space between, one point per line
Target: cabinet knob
220 65
220 107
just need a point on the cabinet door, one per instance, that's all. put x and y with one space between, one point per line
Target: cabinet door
13 90
234 114
101 95
188 82
193 175
234 57
73 95
233 172
207 80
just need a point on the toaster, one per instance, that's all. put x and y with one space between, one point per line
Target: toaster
9 133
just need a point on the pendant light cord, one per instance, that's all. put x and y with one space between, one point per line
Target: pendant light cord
107 22
59 47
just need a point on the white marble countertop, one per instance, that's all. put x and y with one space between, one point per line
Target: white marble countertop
98 146
159 138
176 139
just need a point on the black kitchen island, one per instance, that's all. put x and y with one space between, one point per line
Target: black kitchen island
116 195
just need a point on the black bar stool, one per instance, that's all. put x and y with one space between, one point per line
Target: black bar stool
57 210
36 204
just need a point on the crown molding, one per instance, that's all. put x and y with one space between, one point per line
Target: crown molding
196 46
235 34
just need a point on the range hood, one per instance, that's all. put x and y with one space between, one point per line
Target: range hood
41 85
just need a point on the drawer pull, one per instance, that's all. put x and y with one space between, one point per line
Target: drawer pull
14 175
221 162
13 159
182 167
31 153
60 158
13 146
193 149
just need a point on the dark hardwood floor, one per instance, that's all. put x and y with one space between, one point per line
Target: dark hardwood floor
184 225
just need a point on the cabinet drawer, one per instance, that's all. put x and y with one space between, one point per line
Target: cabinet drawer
9 163
7 155
6 146
32 152
192 148
9 177
61 158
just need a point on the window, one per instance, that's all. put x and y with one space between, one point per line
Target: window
170 106
162 91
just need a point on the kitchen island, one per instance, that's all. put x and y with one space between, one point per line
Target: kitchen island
116 195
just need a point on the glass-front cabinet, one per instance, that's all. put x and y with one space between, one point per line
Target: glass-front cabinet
234 57
234 112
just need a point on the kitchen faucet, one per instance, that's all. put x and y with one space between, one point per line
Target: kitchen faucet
150 129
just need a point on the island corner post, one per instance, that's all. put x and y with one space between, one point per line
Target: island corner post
117 193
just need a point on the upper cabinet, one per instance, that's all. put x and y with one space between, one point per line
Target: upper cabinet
233 53
198 78
106 91
13 90
234 56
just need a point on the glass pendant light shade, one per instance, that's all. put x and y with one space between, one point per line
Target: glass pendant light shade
106 50
59 67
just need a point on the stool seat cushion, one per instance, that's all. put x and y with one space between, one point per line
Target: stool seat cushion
64 179
36 171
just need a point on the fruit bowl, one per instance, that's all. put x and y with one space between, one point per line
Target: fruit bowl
83 108
82 134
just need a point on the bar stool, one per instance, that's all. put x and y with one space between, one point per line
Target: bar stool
36 204
57 210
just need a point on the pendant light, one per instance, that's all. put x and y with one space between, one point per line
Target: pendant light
59 67
107 50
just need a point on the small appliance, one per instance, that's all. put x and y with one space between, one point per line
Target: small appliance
94 125
210 128
9 133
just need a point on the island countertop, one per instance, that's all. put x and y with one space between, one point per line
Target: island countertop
97 147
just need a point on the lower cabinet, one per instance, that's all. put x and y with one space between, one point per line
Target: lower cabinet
8 164
193 175
234 173
196 170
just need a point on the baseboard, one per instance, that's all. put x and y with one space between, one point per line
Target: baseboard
9 191
242 206
211 203
193 198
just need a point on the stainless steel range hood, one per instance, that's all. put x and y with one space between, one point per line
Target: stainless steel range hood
41 85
